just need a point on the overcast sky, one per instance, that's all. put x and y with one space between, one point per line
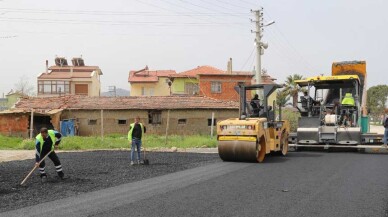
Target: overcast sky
123 35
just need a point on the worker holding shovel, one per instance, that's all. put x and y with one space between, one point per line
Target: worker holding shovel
46 142
135 134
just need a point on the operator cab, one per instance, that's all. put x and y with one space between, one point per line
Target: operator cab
256 108
334 100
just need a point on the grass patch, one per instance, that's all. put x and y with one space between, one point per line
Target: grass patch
113 142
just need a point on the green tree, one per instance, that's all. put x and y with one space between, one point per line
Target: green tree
292 88
377 100
282 97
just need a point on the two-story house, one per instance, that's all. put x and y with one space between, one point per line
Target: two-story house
64 79
147 82
202 81
187 82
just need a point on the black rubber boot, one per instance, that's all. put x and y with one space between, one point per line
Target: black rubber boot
61 175
43 177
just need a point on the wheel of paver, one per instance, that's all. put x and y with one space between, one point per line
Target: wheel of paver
261 151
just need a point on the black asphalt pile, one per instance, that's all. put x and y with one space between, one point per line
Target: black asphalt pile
87 171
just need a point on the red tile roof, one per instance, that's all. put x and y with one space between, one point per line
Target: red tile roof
149 76
199 70
65 75
124 103
248 74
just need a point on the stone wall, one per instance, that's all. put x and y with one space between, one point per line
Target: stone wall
181 122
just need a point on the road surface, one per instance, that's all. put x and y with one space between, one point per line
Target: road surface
301 184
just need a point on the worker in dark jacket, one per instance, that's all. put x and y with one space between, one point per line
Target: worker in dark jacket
255 103
47 141
135 134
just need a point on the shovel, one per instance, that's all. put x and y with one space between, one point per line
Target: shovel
145 160
33 169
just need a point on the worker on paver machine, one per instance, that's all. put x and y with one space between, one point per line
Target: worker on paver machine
348 108
46 142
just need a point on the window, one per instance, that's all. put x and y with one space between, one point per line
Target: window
92 122
40 87
63 87
151 91
182 121
53 87
122 122
143 91
209 122
191 88
154 117
216 87
47 87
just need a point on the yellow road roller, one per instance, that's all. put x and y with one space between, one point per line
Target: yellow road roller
257 131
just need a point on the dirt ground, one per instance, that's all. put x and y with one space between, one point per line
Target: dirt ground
10 155
87 171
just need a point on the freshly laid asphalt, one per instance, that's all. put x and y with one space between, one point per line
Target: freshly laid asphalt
300 184
87 172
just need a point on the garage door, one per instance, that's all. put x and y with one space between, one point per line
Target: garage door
81 89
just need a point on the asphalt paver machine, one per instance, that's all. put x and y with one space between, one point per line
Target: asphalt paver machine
333 110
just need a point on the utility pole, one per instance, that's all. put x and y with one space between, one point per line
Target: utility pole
260 46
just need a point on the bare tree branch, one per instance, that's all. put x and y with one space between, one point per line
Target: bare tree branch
25 87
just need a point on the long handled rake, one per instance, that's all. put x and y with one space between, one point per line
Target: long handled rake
145 160
33 169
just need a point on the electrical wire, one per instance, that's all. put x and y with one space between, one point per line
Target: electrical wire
211 9
183 14
110 13
74 21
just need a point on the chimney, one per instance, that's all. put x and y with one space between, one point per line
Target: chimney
229 68
46 66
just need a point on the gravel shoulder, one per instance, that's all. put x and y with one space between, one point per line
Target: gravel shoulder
88 171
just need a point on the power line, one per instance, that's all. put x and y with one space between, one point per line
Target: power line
74 21
8 36
228 3
249 57
118 13
210 9
183 14
292 47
